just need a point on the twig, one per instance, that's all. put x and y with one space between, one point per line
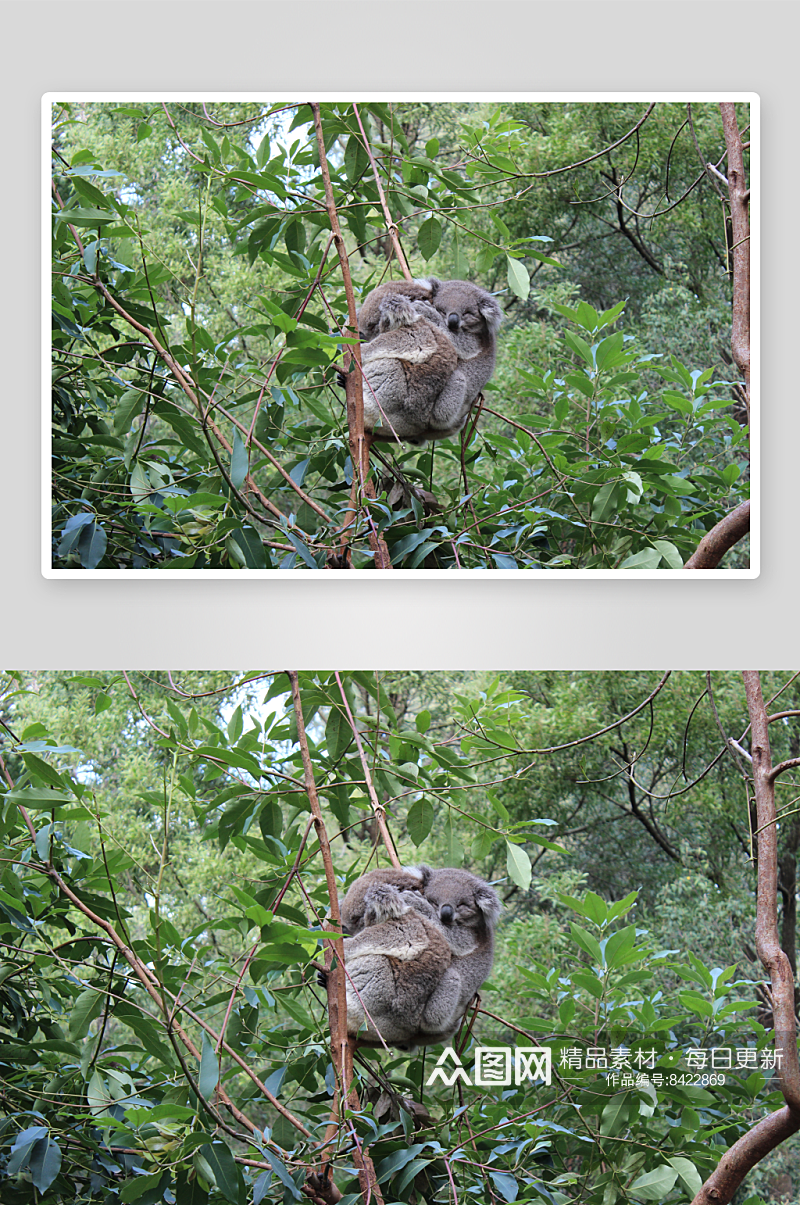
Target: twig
377 806
391 225
740 226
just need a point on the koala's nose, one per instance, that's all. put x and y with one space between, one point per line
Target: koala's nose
446 914
453 321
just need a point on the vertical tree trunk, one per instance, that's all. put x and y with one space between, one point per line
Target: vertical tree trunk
777 1127
739 195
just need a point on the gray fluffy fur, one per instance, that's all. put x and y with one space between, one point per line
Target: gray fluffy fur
399 986
422 944
409 330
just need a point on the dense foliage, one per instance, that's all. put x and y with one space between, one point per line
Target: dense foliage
200 313
163 902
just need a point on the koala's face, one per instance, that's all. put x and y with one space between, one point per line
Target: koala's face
469 320
455 904
467 309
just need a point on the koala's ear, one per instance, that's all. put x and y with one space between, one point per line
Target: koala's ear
396 310
492 314
488 901
425 872
383 902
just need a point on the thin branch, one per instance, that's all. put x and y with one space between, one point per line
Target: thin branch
721 1185
781 767
582 740
360 442
599 155
377 806
342 1046
391 225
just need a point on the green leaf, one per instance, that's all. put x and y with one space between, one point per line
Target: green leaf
696 1004
586 942
648 558
127 408
688 1174
595 907
42 769
587 317
621 907
209 1069
429 238
239 461
244 546
590 983
392 1163
615 1115
608 350
227 1176
580 347
422 721
230 757
85 1008
518 279
38 798
519 866
603 502
505 1184
279 1167
356 159
44 1163
669 553
619 947
654 1186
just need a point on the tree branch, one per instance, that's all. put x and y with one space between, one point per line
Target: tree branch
715 543
359 441
740 224
770 1131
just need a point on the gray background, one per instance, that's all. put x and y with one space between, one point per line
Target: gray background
428 47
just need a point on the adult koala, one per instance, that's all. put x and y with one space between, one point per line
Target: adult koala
467 910
467 315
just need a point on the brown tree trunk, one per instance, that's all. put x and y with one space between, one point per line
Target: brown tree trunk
777 1127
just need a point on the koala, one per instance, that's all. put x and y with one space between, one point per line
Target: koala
424 395
400 987
406 881
407 367
415 987
467 909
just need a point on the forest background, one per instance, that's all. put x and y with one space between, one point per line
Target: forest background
200 312
174 843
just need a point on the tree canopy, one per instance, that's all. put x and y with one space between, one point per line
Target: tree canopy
207 262
175 846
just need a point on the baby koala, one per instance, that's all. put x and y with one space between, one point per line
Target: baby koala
408 365
467 909
399 987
